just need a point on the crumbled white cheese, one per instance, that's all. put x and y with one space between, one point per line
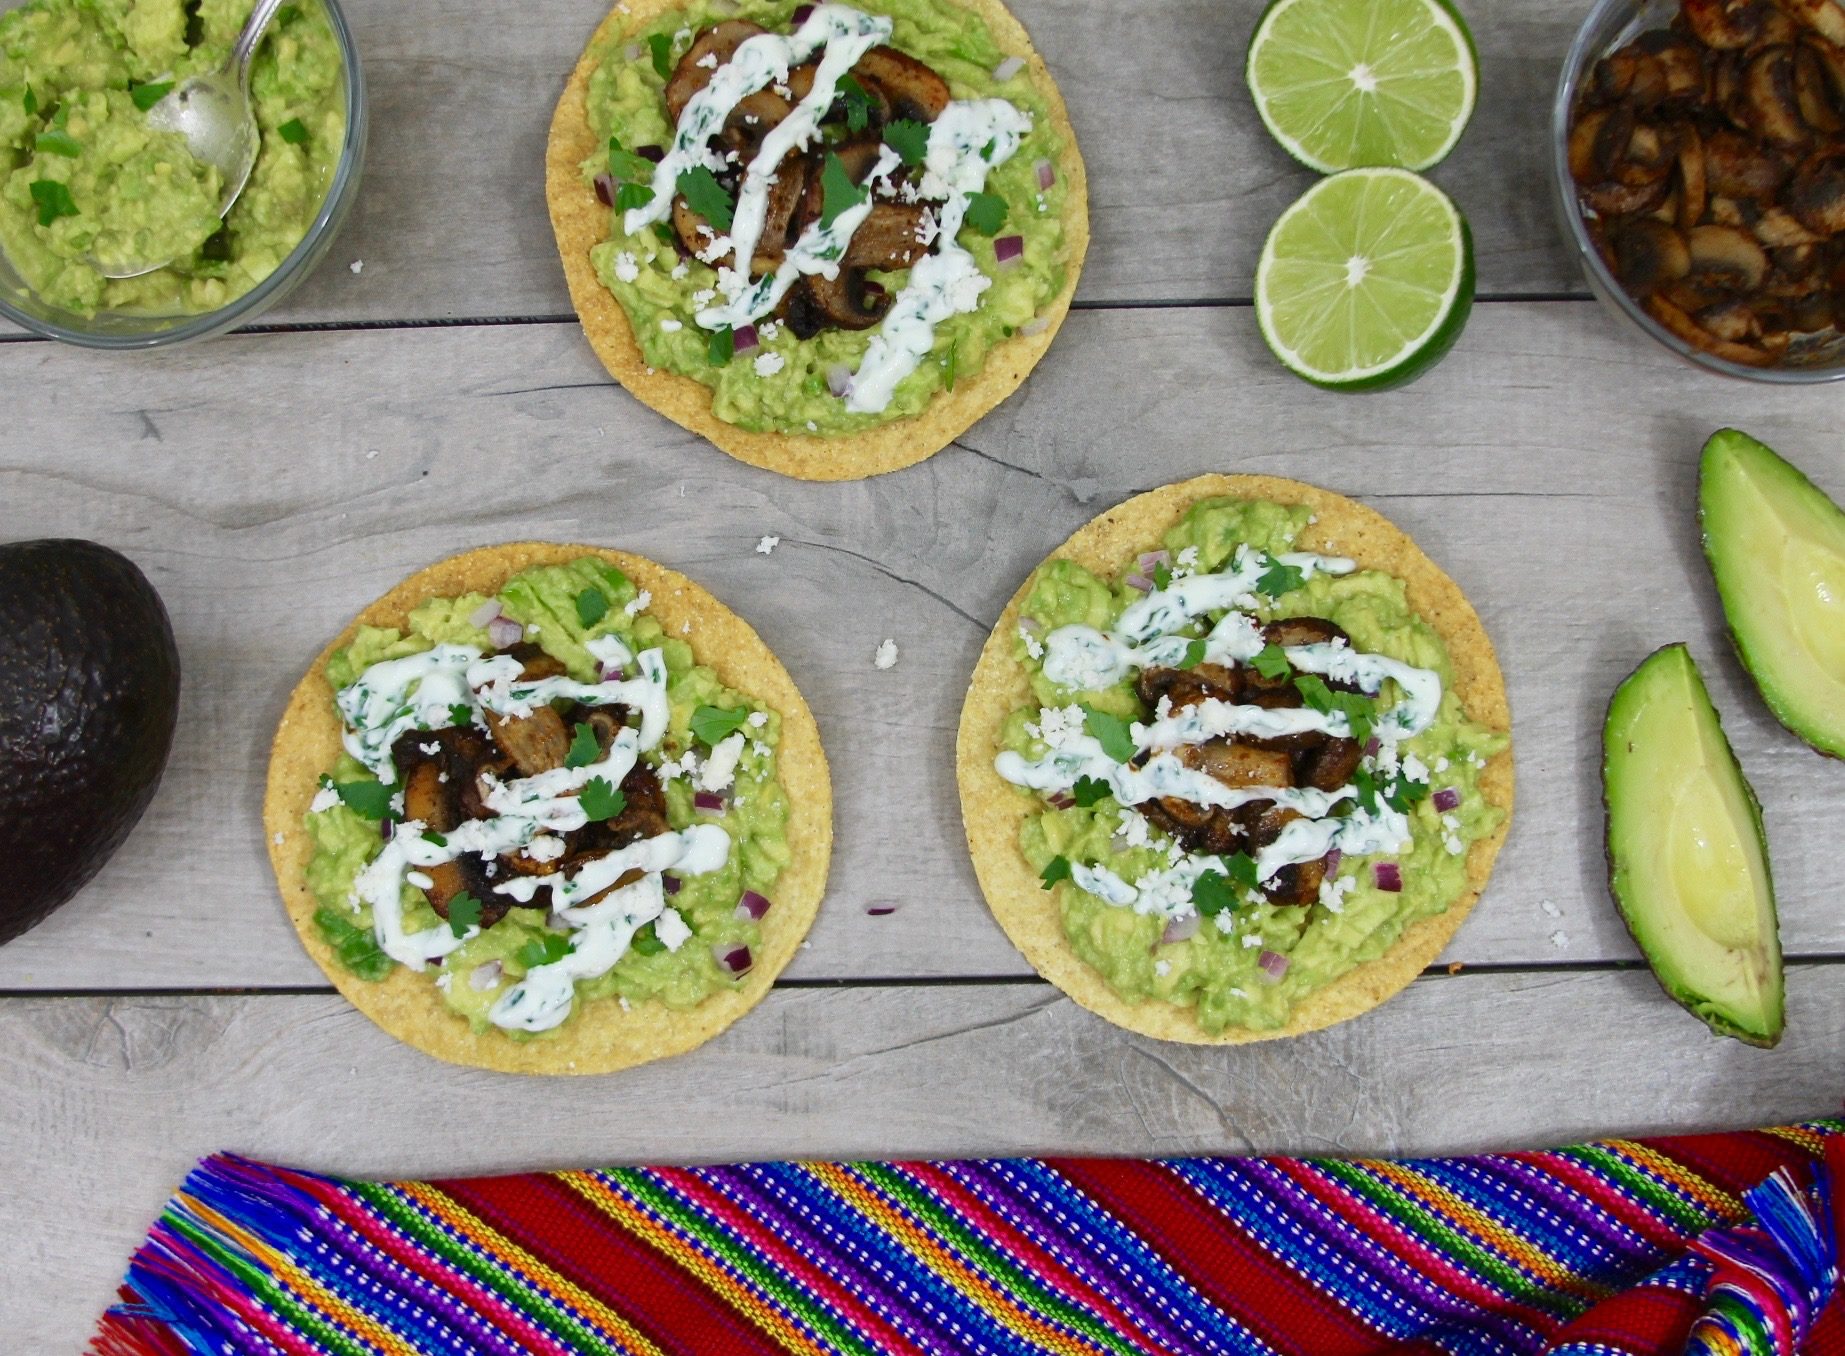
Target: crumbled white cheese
1226 924
545 848
760 749
680 269
886 657
758 719
280 838
638 603
625 267
324 799
420 879
1559 939
671 929
1033 646
1250 940
443 980
1058 725
1441 765
670 326
1162 968
1134 828
721 767
358 266
708 61
768 364
1550 909
1415 769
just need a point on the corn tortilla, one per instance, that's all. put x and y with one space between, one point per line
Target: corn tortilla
580 222
993 810
601 1037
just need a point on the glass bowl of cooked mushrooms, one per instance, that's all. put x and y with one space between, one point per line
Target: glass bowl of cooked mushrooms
1699 159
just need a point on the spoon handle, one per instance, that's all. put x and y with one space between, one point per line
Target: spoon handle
245 48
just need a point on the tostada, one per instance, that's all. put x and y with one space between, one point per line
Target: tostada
549 809
827 237
1234 764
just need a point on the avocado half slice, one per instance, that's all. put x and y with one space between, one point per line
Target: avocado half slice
1687 859
1776 545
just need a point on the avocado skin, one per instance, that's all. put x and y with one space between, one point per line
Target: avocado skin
89 697
1680 991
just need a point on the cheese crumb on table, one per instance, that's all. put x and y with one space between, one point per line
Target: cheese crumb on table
767 544
886 657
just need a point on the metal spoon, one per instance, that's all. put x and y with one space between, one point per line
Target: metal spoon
213 113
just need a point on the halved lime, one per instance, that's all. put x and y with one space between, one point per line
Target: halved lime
1345 83
1366 281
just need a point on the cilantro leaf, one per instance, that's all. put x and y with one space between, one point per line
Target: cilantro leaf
837 191
908 138
431 836
294 131
710 724
986 212
661 45
647 942
1404 793
721 347
461 714
355 946
1193 657
584 747
627 167
1111 732
1271 662
1241 868
146 96
29 102
858 104
600 801
58 143
548 949
1366 783
369 800
592 606
1359 714
1058 869
1278 579
706 196
1088 790
1314 692
463 913
1212 895
1162 576
53 199
630 196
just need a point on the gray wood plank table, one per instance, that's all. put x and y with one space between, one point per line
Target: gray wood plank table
273 483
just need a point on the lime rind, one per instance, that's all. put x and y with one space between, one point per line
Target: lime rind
1317 91
1411 275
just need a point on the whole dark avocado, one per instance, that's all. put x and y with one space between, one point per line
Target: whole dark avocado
89 695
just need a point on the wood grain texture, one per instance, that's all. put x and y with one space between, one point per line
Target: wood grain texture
1184 180
1548 466
130 1091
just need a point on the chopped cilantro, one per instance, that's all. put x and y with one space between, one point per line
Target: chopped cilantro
1241 868
584 747
548 949
710 724
721 347
294 131
1358 712
53 199
461 714
146 96
1314 692
431 836
58 143
706 196
600 801
951 364
1404 793
369 800
627 167
1111 732
1366 783
858 104
463 913
837 191
618 582
647 942
355 946
1059 869
908 138
1211 894
661 45
1162 576
660 228
1278 579
29 102
592 606
1088 790
986 212
1271 662
630 196
1194 655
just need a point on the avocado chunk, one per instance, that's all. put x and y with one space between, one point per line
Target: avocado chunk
1776 545
89 696
1687 859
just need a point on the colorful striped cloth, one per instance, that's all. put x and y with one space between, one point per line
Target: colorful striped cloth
1712 1245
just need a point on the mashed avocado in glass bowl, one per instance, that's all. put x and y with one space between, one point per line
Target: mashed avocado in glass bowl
86 179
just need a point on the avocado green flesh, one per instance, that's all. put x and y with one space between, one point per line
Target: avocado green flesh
1688 863
1776 545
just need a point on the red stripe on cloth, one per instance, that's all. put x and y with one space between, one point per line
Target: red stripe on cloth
1735 1162
654 1293
1269 1298
1648 1318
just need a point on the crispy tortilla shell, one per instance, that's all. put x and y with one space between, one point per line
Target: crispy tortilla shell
600 1037
580 222
993 811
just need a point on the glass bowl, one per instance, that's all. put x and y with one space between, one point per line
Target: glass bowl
121 330
1612 24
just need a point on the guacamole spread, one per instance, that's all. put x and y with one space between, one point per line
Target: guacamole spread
895 232
1253 768
546 801
87 181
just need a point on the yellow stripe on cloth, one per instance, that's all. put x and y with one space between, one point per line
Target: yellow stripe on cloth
1706 1193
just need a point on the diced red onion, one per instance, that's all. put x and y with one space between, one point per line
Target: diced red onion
605 189
801 14
504 632
1152 560
1333 859
743 338
1008 250
654 153
632 52
1047 173
752 906
732 958
670 884
484 977
1036 325
1447 799
1372 745
711 801
1181 929
614 673
1274 965
1389 877
839 379
1140 582
1061 801
880 910
1031 624
485 613
1008 68
385 826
